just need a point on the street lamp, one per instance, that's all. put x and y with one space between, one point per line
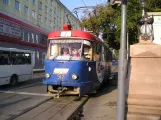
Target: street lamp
143 3
146 22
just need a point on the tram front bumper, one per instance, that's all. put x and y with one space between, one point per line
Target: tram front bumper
67 83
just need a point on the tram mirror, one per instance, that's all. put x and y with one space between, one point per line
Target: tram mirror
86 43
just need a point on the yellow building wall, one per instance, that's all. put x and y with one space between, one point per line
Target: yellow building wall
58 12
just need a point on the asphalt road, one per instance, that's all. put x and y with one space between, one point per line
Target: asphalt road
30 101
19 99
15 101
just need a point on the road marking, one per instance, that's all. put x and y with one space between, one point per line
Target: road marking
24 93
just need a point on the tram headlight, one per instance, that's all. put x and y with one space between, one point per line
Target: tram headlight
74 76
89 69
47 75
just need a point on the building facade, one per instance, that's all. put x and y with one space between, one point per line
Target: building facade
25 24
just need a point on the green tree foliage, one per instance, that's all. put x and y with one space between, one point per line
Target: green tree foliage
107 19
154 5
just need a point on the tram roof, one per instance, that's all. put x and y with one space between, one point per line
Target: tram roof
73 34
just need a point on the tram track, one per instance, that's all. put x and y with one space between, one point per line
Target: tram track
65 111
29 109
26 93
78 112
64 108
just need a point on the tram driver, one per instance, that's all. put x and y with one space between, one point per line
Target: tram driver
66 52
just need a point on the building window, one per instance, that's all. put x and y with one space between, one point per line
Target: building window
43 57
60 20
28 37
50 12
17 5
6 2
32 36
26 10
22 36
33 2
40 5
46 9
40 17
54 9
33 14
50 23
54 20
45 21
37 54
37 40
51 3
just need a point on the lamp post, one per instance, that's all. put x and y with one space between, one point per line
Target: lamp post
146 23
143 3
122 71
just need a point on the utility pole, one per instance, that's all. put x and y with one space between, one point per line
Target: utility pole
122 71
122 64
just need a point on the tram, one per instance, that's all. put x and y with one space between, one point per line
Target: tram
77 62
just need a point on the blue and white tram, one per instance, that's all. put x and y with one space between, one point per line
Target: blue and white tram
77 62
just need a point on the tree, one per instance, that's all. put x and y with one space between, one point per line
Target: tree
107 19
154 5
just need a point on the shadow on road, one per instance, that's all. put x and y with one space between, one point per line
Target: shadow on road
108 87
104 90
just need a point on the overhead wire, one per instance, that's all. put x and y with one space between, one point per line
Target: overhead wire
89 15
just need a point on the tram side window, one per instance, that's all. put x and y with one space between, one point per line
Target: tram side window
87 52
98 53
103 53
4 58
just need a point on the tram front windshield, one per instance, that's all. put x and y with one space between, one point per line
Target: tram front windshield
65 49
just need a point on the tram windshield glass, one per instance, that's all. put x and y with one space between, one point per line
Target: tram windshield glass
67 49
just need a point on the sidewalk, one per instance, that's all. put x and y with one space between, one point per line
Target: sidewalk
102 106
38 70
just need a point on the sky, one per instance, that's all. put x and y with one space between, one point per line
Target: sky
71 4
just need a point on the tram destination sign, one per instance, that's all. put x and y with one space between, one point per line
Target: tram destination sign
66 41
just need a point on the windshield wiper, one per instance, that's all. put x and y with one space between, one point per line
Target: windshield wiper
55 55
70 58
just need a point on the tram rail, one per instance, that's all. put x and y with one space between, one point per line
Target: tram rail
64 108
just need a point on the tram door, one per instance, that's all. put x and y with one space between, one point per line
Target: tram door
100 62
